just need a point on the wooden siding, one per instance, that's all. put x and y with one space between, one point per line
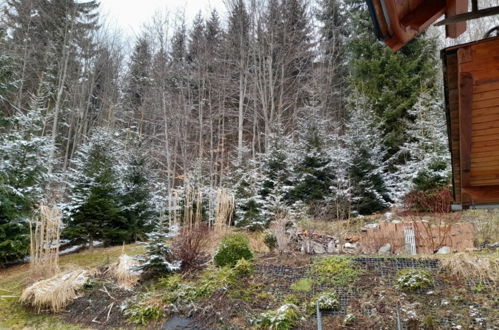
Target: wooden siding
472 101
452 100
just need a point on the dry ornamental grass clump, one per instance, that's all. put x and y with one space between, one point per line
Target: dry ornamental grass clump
470 267
125 272
56 292
44 248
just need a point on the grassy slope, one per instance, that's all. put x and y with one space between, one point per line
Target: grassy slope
14 316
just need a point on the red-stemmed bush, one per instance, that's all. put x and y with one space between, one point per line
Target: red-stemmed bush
190 247
437 200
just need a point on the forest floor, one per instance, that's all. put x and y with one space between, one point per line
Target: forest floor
212 299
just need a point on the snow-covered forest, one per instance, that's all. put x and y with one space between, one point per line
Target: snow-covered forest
292 106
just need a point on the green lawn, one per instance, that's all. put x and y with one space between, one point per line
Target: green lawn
12 280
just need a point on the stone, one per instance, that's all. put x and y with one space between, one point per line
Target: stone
305 247
396 221
331 247
370 226
385 249
318 248
444 250
350 248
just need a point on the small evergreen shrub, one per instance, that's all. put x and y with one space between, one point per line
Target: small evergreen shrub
349 319
335 270
243 268
159 257
270 240
411 280
302 285
327 301
285 317
231 250
142 312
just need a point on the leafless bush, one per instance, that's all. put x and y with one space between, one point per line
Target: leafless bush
190 247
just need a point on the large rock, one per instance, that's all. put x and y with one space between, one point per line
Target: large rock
331 247
318 248
351 248
444 250
385 249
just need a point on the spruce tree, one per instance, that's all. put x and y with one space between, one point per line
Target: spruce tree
332 58
391 81
274 182
312 173
367 167
24 160
427 164
159 257
248 212
139 78
135 198
94 210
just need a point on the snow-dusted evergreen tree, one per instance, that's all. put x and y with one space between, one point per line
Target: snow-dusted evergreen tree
24 162
367 168
312 173
274 182
94 209
159 257
248 212
341 186
135 197
427 155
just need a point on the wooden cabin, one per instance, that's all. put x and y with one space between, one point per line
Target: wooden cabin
397 22
471 77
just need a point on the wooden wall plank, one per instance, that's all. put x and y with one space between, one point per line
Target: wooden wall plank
465 103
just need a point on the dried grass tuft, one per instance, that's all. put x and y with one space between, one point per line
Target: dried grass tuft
278 228
125 271
470 267
44 248
56 292
224 209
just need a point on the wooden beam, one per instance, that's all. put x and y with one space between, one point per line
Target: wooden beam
469 16
455 7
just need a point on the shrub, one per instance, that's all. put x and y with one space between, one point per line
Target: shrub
302 285
142 312
349 319
243 268
270 240
411 280
335 270
326 300
189 247
285 317
436 200
159 257
231 250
